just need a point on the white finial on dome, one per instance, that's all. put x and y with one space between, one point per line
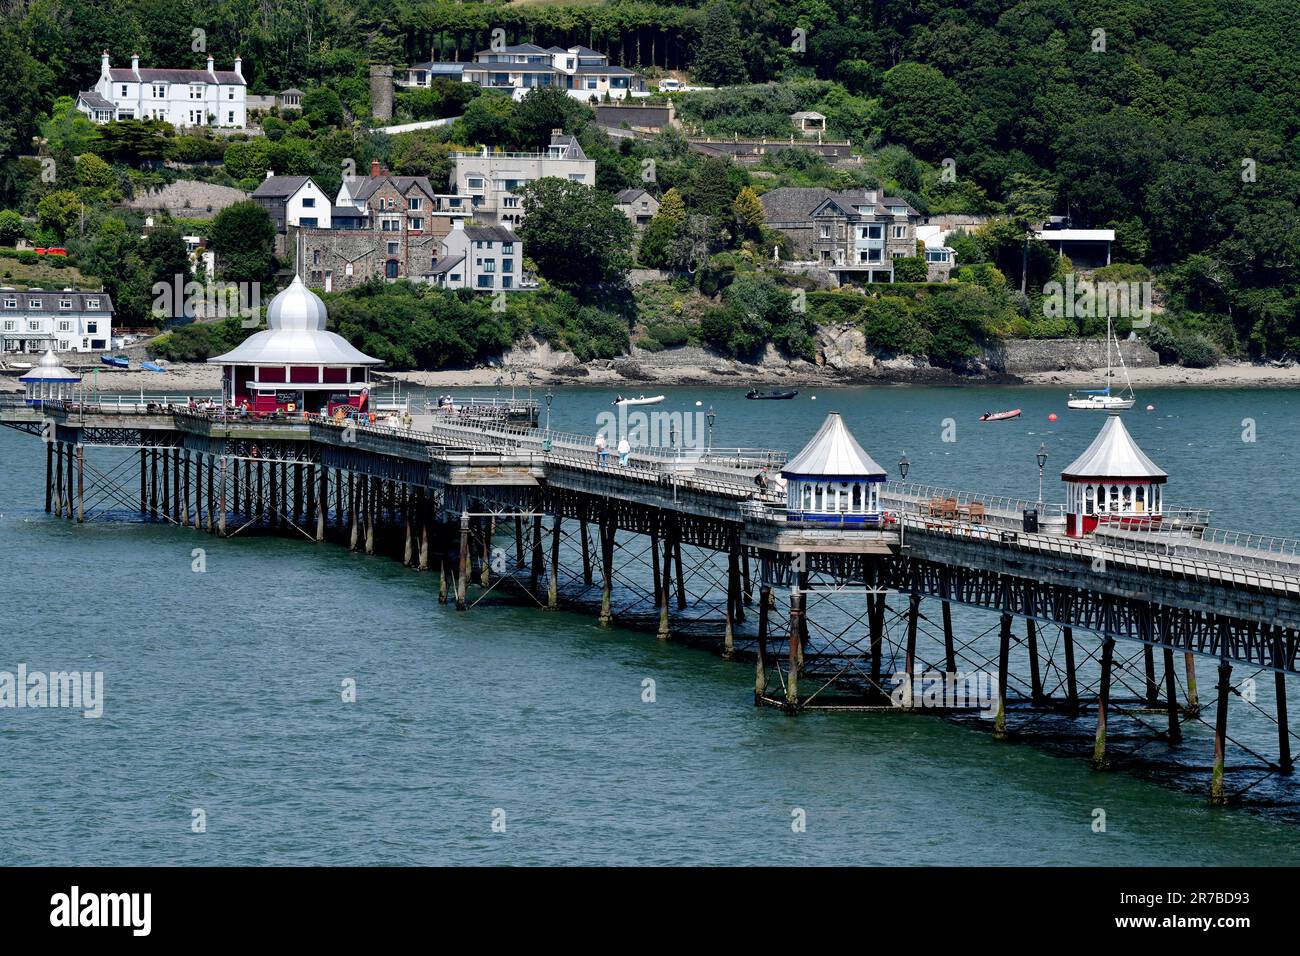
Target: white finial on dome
49 360
297 309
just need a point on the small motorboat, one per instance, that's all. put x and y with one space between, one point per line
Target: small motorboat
643 400
116 361
775 394
1000 416
152 367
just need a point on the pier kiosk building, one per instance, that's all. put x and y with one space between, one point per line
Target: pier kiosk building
49 381
833 480
1113 482
294 364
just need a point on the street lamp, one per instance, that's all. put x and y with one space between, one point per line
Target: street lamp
550 397
903 465
711 415
1042 461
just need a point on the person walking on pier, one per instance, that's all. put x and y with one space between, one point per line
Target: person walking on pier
600 449
624 449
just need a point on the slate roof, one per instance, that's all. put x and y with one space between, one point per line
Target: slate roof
443 266
491 233
798 203
48 301
279 187
228 77
94 100
363 187
629 195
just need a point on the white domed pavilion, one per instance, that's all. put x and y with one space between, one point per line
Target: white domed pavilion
49 381
833 479
1112 482
295 364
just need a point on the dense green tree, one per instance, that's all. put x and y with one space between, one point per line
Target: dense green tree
574 235
718 59
243 238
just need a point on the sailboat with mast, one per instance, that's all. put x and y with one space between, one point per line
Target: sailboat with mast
1104 399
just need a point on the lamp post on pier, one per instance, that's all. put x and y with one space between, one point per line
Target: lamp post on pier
903 465
711 415
1042 461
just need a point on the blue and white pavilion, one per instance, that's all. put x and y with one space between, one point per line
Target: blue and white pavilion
833 480
49 381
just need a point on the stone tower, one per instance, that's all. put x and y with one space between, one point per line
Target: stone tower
381 91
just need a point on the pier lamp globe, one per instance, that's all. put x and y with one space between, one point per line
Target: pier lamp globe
903 465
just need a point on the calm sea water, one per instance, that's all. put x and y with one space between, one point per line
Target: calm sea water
223 689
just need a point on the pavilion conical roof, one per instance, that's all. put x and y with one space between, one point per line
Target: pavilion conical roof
1114 454
833 453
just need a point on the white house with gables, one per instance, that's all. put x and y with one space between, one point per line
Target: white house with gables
184 98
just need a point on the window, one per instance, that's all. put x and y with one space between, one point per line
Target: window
92 327
900 232
507 265
11 303
10 325
63 345
124 89
485 282
389 224
33 303
392 248
507 282
577 177
159 91
474 182
92 303
308 203
33 325
65 326
196 92
415 204
510 202
825 232
230 94
417 224
489 265
347 269
508 248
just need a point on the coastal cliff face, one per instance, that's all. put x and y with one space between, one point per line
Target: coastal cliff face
842 356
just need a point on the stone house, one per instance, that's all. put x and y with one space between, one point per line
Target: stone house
638 205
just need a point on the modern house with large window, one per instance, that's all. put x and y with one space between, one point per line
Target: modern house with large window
581 72
490 182
38 321
855 235
184 98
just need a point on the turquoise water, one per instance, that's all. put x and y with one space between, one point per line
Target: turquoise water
223 690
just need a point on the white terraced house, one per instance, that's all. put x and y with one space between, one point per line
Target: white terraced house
581 72
184 98
37 320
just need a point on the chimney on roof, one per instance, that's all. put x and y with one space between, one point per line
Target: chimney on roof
211 67
374 167
103 63
239 67
135 64
269 172
556 132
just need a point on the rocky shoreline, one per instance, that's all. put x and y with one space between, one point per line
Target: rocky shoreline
842 360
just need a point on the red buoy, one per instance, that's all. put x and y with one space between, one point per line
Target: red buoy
1052 417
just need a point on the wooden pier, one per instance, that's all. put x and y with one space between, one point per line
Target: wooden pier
690 547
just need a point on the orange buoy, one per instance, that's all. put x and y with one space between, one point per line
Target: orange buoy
1052 417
